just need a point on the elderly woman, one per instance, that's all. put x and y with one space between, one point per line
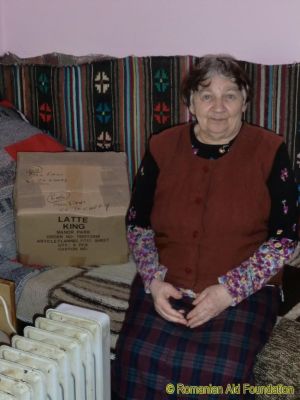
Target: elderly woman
212 221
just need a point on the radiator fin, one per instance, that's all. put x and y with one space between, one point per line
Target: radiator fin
35 378
65 356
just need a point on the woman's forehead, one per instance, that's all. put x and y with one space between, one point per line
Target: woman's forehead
218 81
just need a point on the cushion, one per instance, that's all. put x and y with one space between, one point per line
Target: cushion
38 142
279 361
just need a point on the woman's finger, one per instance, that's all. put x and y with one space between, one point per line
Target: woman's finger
168 312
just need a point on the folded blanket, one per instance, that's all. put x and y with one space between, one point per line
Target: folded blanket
34 296
7 227
16 134
17 273
105 288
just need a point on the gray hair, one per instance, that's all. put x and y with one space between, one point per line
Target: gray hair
215 64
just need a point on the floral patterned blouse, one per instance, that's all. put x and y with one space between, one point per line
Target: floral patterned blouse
252 274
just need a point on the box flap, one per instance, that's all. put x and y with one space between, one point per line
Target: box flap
80 183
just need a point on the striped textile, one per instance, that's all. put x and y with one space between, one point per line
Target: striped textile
105 288
279 361
116 103
152 352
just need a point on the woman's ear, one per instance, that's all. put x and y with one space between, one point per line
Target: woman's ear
191 106
245 103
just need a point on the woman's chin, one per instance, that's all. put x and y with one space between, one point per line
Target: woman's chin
219 129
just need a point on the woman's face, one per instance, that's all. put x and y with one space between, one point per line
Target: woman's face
218 109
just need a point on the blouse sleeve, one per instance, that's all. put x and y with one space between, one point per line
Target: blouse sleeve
143 191
140 236
270 257
283 194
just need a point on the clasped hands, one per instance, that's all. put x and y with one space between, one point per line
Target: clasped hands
207 304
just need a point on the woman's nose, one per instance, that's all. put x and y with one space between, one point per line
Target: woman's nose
218 104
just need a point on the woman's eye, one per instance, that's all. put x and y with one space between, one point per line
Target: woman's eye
230 96
206 97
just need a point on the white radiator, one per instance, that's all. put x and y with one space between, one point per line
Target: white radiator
65 356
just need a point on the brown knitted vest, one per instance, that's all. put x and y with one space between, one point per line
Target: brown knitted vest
210 215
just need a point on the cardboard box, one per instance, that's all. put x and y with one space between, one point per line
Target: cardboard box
70 208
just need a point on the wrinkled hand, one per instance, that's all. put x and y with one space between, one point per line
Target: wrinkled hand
161 292
208 304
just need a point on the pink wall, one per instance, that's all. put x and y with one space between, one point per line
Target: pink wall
266 31
1 27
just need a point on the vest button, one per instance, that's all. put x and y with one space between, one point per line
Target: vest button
205 169
195 234
198 200
188 270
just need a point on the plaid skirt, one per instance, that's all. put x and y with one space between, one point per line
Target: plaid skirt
158 360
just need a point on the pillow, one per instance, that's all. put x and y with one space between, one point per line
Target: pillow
38 142
278 363
16 135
